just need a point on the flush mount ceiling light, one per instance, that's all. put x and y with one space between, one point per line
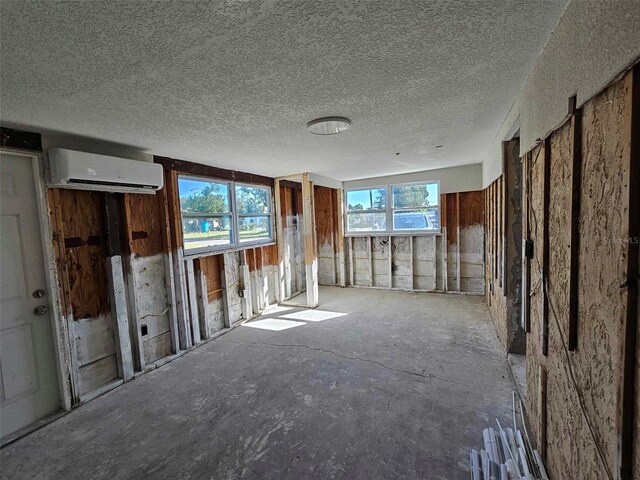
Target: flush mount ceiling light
328 125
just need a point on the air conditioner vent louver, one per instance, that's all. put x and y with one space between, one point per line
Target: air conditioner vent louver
89 171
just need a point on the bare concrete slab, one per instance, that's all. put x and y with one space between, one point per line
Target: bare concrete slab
399 387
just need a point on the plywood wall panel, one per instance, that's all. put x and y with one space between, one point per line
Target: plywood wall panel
534 354
144 224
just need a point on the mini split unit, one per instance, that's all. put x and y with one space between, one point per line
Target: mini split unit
89 171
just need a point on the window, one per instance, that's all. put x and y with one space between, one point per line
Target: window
220 215
411 208
366 210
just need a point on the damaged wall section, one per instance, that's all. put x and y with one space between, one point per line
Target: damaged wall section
448 261
581 301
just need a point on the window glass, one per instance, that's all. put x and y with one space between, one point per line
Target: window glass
369 199
412 207
202 196
201 232
254 228
250 199
423 219
415 196
211 210
366 222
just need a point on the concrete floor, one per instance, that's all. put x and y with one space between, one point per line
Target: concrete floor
400 387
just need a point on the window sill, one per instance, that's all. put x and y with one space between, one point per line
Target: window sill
408 233
220 251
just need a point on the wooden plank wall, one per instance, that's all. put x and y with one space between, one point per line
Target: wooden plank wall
450 261
327 205
582 401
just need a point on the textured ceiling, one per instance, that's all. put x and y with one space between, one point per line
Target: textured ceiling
234 83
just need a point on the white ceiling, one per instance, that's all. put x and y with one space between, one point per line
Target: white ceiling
234 83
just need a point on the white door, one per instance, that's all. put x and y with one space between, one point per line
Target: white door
28 386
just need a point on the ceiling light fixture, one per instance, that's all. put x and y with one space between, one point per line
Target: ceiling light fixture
328 125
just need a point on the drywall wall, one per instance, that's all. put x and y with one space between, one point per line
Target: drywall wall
593 42
454 179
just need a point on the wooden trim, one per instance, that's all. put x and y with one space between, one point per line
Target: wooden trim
20 139
545 246
625 411
494 205
290 184
526 271
64 290
542 409
574 225
182 166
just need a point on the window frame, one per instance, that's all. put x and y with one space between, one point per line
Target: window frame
235 243
389 209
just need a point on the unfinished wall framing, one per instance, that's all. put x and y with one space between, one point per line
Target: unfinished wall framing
79 242
503 250
450 261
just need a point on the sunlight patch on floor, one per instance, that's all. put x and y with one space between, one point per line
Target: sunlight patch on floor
313 315
273 324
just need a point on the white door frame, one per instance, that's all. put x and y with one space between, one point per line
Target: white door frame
60 335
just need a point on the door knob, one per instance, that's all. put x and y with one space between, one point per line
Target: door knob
40 310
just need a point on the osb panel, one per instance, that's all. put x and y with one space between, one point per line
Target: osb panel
84 252
559 228
210 266
567 433
144 224
81 214
603 248
534 354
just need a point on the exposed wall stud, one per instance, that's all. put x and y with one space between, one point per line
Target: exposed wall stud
574 222
310 251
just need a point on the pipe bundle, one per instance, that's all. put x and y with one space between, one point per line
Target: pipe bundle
507 454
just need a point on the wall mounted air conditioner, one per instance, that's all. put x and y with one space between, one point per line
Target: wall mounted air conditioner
89 171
